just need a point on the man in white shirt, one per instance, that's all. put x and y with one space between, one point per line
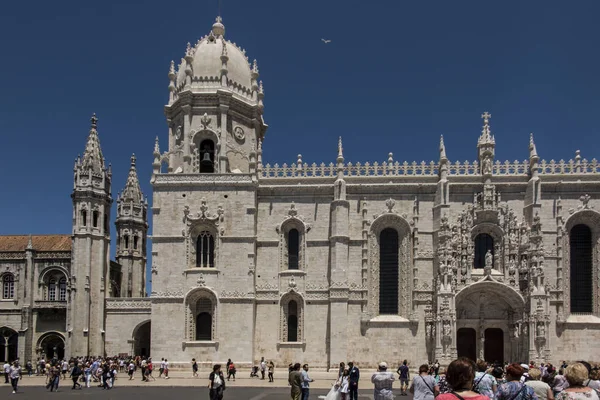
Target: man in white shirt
263 367
15 374
166 369
162 367
6 370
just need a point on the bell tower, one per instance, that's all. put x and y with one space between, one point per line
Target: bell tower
91 249
132 229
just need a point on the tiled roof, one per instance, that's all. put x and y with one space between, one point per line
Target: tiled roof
40 242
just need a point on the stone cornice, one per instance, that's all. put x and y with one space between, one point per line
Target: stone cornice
203 179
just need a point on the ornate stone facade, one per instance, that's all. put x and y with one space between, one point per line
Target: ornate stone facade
488 259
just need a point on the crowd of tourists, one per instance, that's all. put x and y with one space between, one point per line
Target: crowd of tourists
85 371
464 379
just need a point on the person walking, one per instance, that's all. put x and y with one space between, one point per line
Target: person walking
423 385
162 367
382 381
166 371
75 374
295 381
14 373
306 380
263 367
541 389
87 371
194 368
216 383
54 378
231 371
577 374
353 378
271 370
404 375
6 370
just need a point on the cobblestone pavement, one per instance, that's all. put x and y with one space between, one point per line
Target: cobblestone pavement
160 393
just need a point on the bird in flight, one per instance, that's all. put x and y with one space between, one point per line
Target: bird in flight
326 41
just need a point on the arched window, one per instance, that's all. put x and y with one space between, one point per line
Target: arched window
388 271
581 269
204 319
483 243
205 250
62 289
83 217
292 321
8 286
95 216
206 153
126 241
293 244
52 289
135 242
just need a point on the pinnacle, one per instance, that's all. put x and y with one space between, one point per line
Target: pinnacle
92 156
132 190
442 148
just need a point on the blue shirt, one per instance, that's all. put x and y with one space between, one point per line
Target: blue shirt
305 380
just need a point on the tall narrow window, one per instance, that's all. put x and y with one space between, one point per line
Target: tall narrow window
83 217
126 240
581 269
293 244
62 289
206 155
483 243
95 216
204 319
106 227
292 321
205 250
8 286
135 242
52 289
388 271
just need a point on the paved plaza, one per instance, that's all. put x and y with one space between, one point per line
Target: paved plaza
159 393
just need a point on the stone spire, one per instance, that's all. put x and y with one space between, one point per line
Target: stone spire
92 156
486 148
172 76
486 134
532 149
132 191
340 156
443 163
442 150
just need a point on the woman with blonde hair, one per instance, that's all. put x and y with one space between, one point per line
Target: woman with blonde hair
576 375
541 389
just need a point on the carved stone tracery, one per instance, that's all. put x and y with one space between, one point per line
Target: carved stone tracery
198 224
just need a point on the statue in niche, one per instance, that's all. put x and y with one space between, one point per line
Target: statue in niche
512 268
489 260
446 329
516 331
541 330
487 165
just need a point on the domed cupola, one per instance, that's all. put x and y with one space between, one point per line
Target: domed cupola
212 58
215 109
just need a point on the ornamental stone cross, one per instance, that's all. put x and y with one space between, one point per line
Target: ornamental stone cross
486 117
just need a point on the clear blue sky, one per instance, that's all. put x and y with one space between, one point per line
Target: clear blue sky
395 76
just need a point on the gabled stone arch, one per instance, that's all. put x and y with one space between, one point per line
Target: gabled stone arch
284 303
405 260
190 301
292 221
195 224
54 271
590 218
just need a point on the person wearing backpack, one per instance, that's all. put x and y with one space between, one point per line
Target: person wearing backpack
216 384
484 382
514 389
75 374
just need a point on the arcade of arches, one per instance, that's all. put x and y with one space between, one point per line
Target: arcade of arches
485 317
9 343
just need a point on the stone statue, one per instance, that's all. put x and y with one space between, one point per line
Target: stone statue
487 165
446 329
489 259
512 269
516 331
541 330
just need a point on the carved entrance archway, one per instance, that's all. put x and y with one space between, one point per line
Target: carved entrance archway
52 346
492 310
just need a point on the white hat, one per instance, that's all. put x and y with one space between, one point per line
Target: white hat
383 364
525 366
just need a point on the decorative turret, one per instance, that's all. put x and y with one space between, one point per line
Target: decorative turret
532 193
486 147
172 77
132 228
340 183
443 163
156 154
224 59
189 58
533 158
91 249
